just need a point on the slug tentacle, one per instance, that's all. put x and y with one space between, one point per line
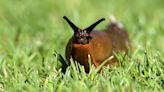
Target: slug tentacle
73 26
91 27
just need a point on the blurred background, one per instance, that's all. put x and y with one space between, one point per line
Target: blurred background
38 25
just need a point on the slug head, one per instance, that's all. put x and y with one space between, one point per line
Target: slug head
82 36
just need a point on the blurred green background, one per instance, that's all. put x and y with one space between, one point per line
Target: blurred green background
31 30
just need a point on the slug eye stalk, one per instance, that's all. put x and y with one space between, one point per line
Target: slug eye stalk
73 26
88 29
91 27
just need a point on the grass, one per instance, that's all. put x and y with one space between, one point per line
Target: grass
30 31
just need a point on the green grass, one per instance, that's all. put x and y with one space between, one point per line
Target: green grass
30 31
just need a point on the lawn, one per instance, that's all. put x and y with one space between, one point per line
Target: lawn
32 30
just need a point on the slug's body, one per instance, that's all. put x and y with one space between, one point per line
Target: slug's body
100 45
